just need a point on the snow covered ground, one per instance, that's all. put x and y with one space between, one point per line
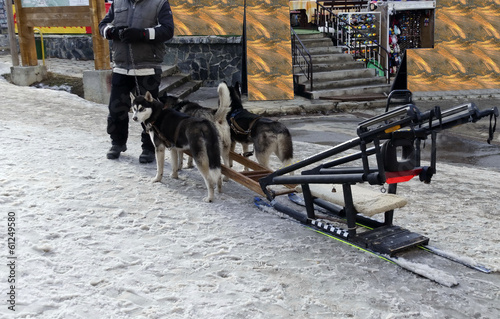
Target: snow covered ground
95 239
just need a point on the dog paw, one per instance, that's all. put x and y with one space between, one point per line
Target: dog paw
156 179
208 200
174 176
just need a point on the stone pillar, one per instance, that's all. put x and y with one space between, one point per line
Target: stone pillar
97 86
27 75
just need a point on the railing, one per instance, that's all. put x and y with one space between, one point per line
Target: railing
343 5
326 20
326 11
302 58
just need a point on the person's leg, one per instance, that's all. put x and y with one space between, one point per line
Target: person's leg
119 106
148 83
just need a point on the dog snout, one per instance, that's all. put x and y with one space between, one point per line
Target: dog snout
134 118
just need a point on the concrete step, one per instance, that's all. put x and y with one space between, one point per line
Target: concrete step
313 43
382 97
350 91
310 36
325 50
177 84
346 83
338 75
333 67
170 82
331 58
167 70
185 89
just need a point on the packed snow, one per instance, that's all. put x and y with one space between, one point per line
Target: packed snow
96 239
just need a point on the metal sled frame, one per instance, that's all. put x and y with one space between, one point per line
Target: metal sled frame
394 141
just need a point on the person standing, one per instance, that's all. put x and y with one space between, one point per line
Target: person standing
138 30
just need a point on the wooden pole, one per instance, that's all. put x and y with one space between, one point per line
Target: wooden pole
12 33
26 37
100 45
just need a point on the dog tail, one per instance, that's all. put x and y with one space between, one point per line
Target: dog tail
213 150
224 102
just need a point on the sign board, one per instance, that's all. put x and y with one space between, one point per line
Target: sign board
53 3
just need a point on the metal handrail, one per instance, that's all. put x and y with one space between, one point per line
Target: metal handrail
302 58
348 5
322 20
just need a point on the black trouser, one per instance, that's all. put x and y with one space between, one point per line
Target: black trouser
119 105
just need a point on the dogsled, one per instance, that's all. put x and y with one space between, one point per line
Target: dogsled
333 195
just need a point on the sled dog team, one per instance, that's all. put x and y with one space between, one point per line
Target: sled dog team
209 134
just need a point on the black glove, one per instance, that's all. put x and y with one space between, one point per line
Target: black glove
131 35
113 33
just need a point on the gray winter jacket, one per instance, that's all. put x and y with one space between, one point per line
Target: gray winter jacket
153 15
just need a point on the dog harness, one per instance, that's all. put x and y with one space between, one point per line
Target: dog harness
238 129
168 144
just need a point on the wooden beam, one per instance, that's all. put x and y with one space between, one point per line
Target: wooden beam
250 179
245 161
72 16
242 179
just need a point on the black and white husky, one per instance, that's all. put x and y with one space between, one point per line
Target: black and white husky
217 116
178 132
266 135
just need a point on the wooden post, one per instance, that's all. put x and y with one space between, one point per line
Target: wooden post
100 45
26 37
12 33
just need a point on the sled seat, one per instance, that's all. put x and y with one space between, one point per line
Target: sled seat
366 201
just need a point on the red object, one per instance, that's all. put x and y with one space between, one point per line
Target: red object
400 177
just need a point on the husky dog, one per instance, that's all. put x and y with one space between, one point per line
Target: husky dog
216 116
178 132
266 135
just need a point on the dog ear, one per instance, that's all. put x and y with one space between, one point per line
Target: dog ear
148 97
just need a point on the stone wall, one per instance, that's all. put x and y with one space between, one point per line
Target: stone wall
211 59
73 47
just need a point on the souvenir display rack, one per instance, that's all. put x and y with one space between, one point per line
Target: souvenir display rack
359 34
407 25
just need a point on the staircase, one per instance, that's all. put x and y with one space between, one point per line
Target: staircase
336 75
177 84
